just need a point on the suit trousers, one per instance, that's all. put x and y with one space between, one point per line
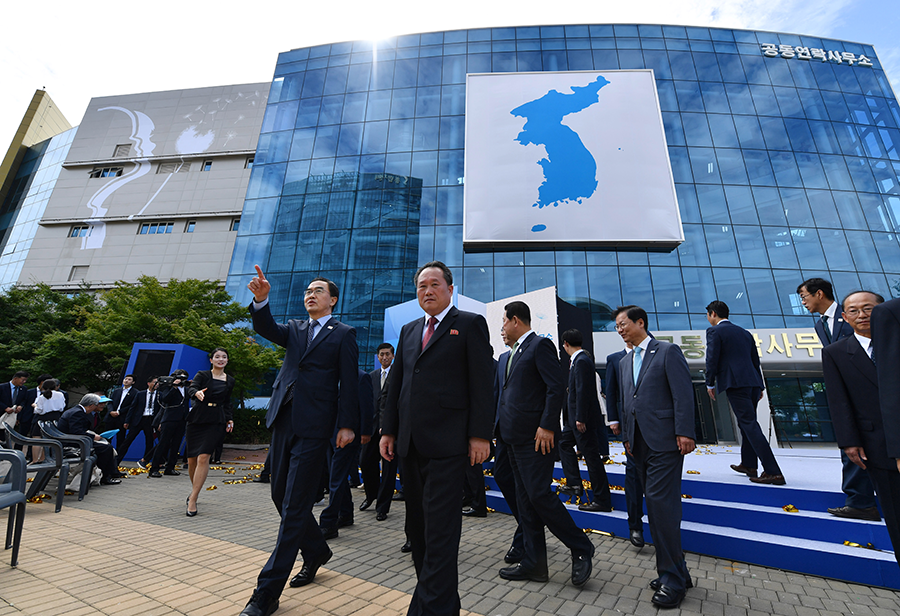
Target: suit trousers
387 485
568 459
106 459
170 435
753 442
506 481
634 495
660 473
369 459
539 506
856 483
887 486
473 488
340 502
144 425
433 525
295 464
589 445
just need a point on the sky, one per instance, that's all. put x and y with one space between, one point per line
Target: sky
77 51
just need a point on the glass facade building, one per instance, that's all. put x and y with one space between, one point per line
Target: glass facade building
785 167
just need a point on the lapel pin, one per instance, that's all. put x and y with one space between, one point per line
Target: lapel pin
454 332
331 327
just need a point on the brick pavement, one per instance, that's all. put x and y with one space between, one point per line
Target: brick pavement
130 549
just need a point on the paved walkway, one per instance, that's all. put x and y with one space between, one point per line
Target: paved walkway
130 550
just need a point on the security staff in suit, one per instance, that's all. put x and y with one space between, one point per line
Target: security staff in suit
379 485
853 388
343 461
528 421
656 406
438 419
886 338
140 419
170 420
12 397
117 410
732 366
316 392
634 489
586 419
817 296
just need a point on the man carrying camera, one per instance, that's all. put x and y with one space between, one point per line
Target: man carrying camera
170 420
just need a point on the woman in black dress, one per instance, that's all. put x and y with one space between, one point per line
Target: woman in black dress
209 418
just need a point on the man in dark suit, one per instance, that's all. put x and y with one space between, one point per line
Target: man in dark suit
12 396
379 485
732 366
170 420
634 489
437 418
656 406
853 387
117 411
343 461
76 420
316 392
586 419
817 296
886 338
140 420
528 421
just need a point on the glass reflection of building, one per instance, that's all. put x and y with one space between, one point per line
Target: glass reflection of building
785 168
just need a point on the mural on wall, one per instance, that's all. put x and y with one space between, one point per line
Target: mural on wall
204 130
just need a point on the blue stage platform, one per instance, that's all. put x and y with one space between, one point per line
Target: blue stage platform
727 516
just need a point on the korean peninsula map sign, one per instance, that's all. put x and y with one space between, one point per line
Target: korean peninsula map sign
563 157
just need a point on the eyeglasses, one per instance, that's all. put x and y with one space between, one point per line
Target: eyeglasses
853 312
315 291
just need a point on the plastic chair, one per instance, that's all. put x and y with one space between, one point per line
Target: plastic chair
13 496
79 450
54 462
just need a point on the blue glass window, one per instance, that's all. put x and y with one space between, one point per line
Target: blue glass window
704 165
696 129
510 281
761 291
637 287
668 290
720 242
714 97
741 205
403 104
722 129
693 251
759 168
780 246
682 65
769 206
731 289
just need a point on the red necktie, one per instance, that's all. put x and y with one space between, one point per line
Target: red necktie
429 332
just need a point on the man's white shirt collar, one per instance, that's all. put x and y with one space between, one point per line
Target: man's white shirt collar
831 313
865 343
440 317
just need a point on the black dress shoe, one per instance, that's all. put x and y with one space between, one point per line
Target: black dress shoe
667 597
329 532
407 547
365 505
260 604
514 555
260 479
595 506
637 538
381 516
869 513
471 512
154 474
581 569
655 584
171 473
345 521
571 490
772 480
110 481
308 570
398 496
740 468
518 572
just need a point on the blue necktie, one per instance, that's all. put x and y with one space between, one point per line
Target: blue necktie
638 360
311 332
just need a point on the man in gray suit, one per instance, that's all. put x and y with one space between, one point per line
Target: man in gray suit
656 402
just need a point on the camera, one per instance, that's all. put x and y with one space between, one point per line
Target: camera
176 379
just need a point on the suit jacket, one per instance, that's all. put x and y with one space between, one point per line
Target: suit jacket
126 406
379 394
215 407
731 358
366 403
662 402
584 405
841 329
886 337
325 375
531 396
612 384
137 409
75 421
173 405
851 385
440 396
6 400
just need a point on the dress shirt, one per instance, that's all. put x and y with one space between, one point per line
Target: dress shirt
865 343
148 410
831 313
438 317
384 374
122 399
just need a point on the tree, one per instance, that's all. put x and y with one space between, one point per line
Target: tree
92 352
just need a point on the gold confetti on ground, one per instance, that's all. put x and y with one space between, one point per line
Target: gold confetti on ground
867 546
212 487
240 457
37 499
612 487
686 496
588 531
790 509
229 471
693 472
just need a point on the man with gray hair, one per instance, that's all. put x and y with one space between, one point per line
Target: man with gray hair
76 420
